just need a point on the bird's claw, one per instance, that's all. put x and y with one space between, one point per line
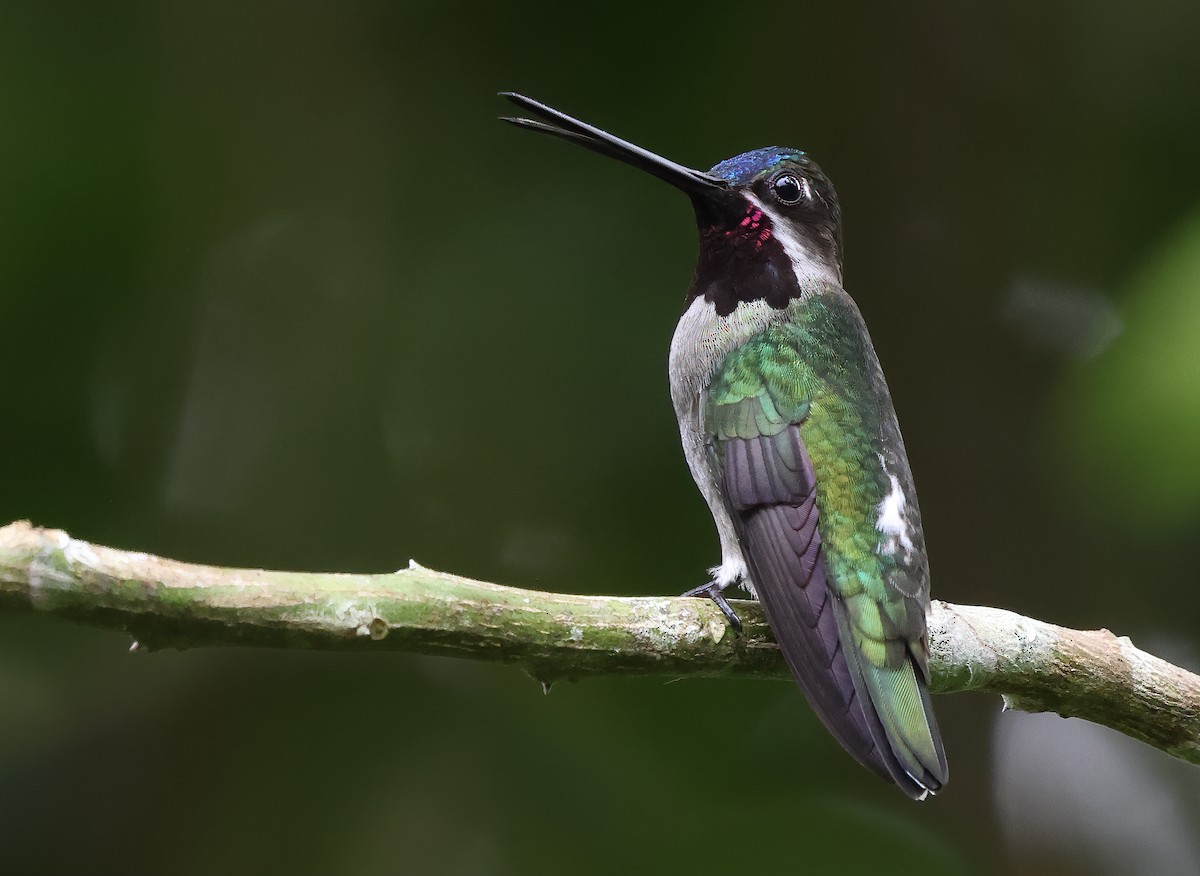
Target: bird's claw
712 591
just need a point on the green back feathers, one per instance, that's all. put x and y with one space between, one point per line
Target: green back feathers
810 369
817 369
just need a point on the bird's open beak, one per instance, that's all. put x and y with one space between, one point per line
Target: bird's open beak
700 185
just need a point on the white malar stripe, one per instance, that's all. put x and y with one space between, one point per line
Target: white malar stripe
808 267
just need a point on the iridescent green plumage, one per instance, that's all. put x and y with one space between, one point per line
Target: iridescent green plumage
789 432
813 370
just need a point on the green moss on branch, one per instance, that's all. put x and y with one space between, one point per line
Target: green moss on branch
166 604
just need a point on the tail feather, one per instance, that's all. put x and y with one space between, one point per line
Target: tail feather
900 699
883 717
870 693
789 576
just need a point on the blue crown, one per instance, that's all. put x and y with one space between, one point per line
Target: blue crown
743 168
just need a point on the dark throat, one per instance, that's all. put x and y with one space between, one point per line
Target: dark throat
741 260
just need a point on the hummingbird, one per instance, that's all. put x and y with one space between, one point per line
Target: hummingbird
790 433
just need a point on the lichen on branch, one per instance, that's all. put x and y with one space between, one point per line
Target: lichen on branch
162 603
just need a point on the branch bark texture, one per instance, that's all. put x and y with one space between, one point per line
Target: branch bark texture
1034 665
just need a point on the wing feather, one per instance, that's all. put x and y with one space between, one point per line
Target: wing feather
854 640
783 546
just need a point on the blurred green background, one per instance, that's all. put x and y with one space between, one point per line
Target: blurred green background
276 290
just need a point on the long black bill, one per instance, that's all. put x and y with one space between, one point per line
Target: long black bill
694 182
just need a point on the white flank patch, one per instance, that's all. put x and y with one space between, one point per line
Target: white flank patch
808 267
891 510
731 570
891 520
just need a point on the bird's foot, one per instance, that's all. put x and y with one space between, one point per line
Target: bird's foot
712 590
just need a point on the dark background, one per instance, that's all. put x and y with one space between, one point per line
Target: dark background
276 290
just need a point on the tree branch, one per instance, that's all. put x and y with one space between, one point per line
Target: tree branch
162 603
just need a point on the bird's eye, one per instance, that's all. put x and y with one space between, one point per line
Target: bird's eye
787 189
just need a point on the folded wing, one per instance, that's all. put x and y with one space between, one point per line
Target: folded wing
855 644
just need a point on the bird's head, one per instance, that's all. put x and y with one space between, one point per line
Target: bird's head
769 219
